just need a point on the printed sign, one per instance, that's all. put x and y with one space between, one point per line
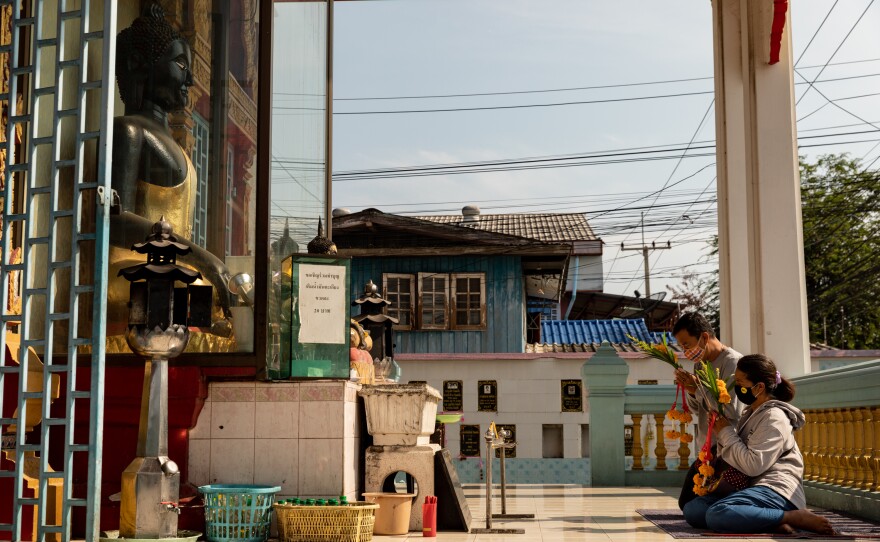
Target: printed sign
469 443
322 304
572 396
487 395
452 396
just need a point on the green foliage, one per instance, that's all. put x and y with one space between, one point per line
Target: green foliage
841 226
841 215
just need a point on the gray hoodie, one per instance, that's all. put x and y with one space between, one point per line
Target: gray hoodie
763 447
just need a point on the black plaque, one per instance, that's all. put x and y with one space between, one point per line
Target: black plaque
452 396
469 440
417 382
487 395
572 396
509 452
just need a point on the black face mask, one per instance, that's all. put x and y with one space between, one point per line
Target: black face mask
745 395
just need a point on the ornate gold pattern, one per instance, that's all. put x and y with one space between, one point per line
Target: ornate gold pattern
242 109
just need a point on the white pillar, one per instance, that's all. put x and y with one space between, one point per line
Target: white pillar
763 293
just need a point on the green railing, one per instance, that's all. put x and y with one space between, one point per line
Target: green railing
841 440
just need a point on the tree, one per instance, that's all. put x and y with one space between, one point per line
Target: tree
841 216
841 224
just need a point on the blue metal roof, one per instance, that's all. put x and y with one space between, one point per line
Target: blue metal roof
596 331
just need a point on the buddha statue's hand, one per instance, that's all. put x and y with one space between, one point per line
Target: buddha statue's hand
222 328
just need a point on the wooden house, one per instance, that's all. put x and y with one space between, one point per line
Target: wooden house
466 283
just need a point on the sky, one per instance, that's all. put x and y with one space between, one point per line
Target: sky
653 63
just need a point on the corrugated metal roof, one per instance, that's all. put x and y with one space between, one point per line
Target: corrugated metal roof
548 348
597 331
541 227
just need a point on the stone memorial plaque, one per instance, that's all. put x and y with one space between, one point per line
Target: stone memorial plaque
487 395
452 396
509 452
572 396
470 440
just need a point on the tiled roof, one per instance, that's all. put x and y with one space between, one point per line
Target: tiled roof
596 331
541 227
548 348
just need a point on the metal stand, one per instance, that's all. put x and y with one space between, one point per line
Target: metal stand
504 515
491 444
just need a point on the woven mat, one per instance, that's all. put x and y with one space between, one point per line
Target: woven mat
848 528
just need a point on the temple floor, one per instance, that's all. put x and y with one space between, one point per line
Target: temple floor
568 512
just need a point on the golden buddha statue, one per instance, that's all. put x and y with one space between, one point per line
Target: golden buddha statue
152 174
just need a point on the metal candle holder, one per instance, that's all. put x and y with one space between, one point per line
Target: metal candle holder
159 316
493 442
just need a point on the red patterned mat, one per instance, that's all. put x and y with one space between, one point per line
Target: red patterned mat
847 528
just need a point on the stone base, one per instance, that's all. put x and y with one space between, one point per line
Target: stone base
418 461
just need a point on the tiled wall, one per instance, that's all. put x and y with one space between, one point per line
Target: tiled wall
302 436
527 471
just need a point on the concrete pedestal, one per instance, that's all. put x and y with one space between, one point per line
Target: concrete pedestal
418 461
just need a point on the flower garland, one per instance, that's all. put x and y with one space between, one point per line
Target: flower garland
710 380
666 354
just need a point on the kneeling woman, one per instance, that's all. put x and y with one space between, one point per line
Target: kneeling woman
763 448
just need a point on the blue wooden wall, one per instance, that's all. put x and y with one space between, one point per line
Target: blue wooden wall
504 302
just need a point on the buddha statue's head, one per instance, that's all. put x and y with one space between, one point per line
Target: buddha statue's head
153 63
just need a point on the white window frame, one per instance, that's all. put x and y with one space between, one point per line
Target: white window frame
200 158
453 302
420 305
394 310
230 197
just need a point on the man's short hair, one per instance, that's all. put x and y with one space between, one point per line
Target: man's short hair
694 323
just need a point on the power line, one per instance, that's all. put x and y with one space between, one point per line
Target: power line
500 107
565 89
816 33
611 153
853 27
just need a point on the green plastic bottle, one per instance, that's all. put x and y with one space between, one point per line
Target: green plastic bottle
310 502
333 502
343 500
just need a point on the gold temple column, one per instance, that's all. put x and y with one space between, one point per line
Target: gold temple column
848 458
637 442
868 448
684 451
839 448
809 449
660 450
875 453
822 450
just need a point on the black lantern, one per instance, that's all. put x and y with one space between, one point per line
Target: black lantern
154 301
374 318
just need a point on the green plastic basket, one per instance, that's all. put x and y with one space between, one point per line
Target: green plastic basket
238 512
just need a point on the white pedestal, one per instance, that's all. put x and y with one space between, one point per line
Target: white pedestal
418 461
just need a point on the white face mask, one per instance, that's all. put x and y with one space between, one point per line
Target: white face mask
695 354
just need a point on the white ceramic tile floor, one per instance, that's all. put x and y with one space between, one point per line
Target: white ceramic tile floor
567 513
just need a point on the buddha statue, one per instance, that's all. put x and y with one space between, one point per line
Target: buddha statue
152 174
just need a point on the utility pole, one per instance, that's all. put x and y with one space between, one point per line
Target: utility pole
646 249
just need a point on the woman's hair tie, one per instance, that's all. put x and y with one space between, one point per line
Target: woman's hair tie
778 378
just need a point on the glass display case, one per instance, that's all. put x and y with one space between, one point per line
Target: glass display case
311 324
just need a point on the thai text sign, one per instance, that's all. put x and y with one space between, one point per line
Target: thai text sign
487 396
321 304
452 397
572 396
